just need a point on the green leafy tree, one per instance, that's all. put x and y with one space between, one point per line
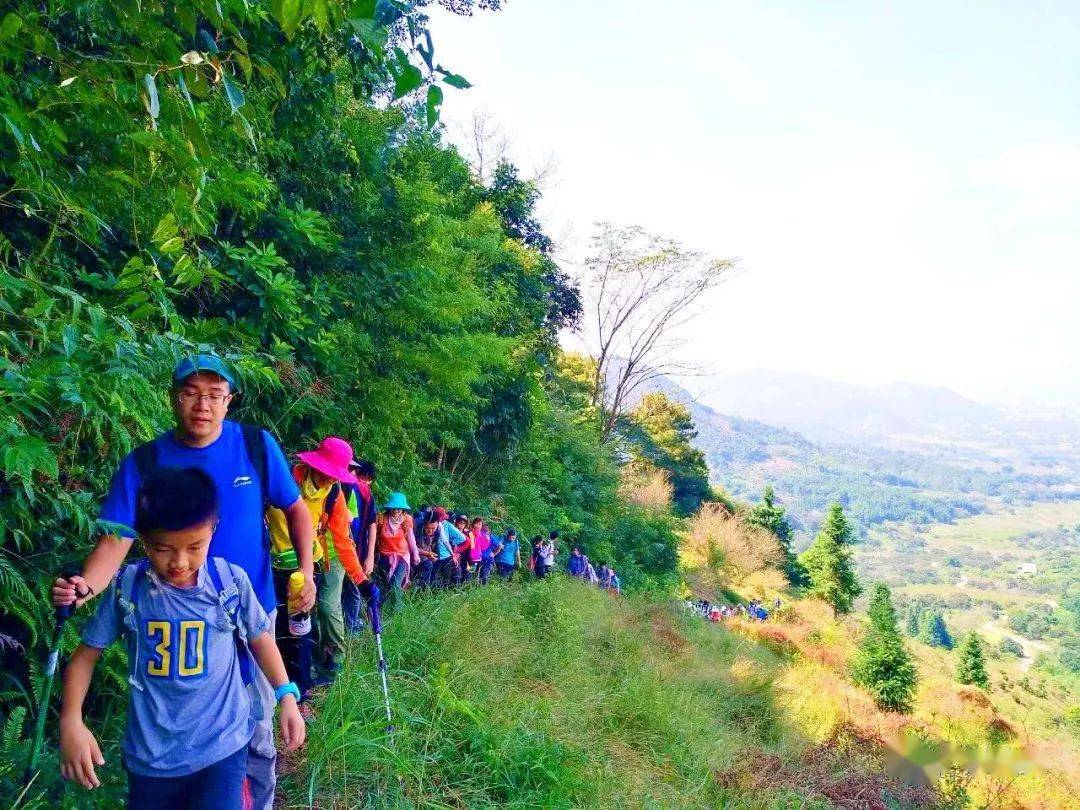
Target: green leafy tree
828 562
932 630
972 667
768 515
660 435
882 665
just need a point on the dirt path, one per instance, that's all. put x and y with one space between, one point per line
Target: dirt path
1029 644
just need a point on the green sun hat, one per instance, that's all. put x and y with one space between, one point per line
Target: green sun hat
397 501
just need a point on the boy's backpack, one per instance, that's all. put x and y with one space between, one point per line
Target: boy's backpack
145 457
131 580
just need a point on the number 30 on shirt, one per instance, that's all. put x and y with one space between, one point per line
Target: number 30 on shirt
177 648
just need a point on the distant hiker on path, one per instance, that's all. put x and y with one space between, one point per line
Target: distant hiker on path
507 555
249 470
397 546
546 557
575 566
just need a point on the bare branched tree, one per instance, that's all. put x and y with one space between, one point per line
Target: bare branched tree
639 289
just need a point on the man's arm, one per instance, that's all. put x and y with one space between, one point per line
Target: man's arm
267 654
302 535
100 567
79 751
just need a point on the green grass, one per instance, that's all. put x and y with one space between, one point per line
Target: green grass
554 694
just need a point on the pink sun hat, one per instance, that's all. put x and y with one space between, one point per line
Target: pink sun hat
332 457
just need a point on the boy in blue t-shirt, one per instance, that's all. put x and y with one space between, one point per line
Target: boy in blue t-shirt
186 621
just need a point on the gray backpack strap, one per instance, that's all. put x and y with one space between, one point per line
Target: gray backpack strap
127 594
221 574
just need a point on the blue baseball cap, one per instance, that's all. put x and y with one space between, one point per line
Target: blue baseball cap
201 362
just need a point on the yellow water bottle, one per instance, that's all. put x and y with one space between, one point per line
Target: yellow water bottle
299 620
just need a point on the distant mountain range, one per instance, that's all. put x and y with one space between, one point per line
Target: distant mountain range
896 453
827 410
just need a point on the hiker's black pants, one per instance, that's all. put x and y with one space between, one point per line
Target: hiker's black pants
445 573
296 651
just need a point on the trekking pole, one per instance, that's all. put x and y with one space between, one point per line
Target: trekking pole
376 627
62 614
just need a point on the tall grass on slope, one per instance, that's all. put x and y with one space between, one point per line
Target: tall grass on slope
553 694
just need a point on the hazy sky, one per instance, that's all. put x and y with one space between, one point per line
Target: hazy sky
901 181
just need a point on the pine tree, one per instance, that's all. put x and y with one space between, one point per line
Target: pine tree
972 668
828 562
933 632
881 611
882 664
767 515
912 626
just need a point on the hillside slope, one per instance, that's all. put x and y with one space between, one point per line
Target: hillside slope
555 694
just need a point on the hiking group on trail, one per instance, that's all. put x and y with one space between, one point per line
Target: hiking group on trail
242 552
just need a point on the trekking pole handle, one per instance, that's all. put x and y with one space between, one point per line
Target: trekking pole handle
376 619
65 612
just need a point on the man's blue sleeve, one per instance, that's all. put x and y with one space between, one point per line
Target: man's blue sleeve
103 629
119 506
281 489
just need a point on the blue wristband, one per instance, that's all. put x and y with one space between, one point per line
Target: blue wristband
289 688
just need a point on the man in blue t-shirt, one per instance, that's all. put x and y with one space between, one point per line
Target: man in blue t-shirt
202 389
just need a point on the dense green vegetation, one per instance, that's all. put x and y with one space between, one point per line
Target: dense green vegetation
269 182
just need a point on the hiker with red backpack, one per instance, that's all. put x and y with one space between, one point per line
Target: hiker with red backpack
189 623
319 476
249 472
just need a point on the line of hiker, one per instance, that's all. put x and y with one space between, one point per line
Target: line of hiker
243 550
579 566
716 613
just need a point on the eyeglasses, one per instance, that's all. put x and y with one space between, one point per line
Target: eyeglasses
192 398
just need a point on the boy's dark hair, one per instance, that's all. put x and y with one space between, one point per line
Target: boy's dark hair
364 469
553 536
171 499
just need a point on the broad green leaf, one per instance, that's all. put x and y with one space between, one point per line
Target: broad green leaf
235 95
408 79
186 15
454 80
434 100
245 64
208 41
11 25
320 13
166 229
151 101
288 15
200 147
362 10
15 131
184 91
